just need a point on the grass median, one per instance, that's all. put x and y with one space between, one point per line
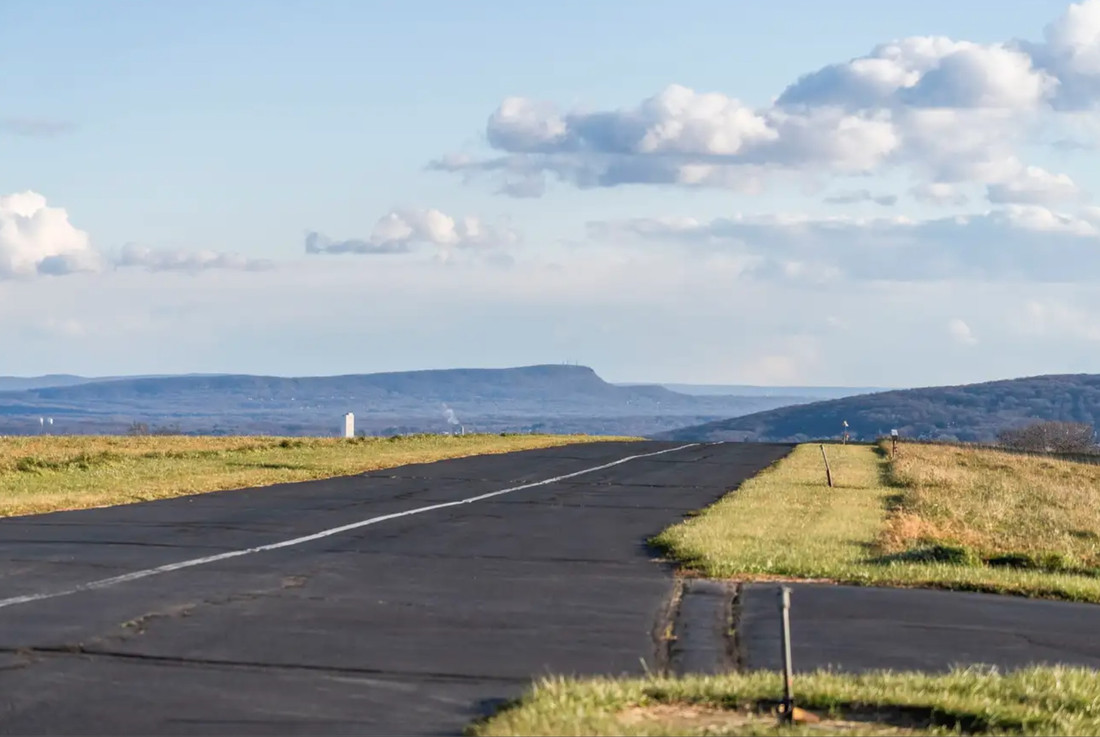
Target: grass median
1047 700
937 516
52 473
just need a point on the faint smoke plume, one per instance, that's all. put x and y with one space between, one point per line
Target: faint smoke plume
449 414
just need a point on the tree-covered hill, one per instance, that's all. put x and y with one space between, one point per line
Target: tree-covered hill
970 412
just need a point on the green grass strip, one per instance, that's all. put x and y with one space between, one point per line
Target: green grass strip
786 523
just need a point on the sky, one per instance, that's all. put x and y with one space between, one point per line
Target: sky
851 193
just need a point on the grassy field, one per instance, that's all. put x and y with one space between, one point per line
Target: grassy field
1048 701
937 516
51 473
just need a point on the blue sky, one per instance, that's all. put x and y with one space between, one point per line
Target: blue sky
165 162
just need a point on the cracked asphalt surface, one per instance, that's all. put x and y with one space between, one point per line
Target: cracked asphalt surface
416 625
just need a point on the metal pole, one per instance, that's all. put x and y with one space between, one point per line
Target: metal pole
787 711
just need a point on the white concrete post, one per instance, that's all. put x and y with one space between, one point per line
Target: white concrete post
349 425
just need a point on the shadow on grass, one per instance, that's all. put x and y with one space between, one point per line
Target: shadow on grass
935 553
271 466
489 709
961 555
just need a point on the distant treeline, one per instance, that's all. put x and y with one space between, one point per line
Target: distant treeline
976 413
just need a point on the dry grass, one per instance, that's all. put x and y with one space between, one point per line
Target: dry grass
46 474
1034 527
996 504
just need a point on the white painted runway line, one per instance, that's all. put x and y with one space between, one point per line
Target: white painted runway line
104 583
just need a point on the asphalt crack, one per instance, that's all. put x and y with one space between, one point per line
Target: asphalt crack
83 651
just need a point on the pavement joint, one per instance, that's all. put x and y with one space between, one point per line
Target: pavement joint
664 628
127 543
734 644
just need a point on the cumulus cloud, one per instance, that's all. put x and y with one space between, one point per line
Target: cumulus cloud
38 239
859 196
960 332
1070 52
952 110
174 259
926 72
1025 242
401 231
678 136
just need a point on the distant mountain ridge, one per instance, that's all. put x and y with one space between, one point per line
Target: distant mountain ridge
552 398
967 412
23 383
812 393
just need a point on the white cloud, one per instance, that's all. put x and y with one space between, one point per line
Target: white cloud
400 231
960 332
38 239
1016 242
939 193
171 259
678 136
1071 53
932 72
1076 36
520 124
1035 185
1041 220
953 111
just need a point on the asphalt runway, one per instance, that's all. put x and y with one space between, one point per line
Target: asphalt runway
394 602
850 628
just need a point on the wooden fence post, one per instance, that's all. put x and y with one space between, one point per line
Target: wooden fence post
828 473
